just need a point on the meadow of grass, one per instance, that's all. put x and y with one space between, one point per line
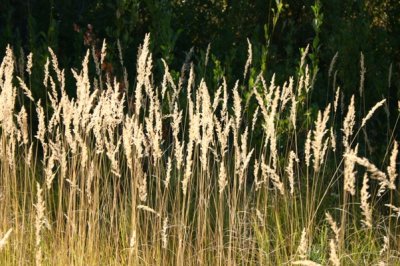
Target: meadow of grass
176 175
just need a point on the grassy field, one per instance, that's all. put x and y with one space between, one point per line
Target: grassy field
181 174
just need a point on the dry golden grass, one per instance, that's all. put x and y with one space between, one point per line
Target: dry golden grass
103 182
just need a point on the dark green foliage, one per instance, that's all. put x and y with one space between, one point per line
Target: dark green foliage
277 31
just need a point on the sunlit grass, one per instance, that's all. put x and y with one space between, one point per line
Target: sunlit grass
186 174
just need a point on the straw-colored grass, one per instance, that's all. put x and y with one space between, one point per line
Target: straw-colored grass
182 176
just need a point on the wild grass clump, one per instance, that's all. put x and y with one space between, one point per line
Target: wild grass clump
182 176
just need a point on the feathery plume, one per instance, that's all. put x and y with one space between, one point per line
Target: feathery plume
317 144
143 60
29 64
365 206
255 116
249 58
49 174
385 246
169 169
395 209
269 172
333 257
237 106
287 94
166 79
244 157
42 126
293 112
260 217
371 112
188 165
257 183
307 76
164 235
304 55
22 121
54 62
290 170
89 181
143 189
333 225
362 74
348 124
148 209
111 152
46 72
336 102
392 171
103 52
373 170
333 139
349 172
175 124
39 222
28 157
4 239
307 149
222 179
302 250
217 99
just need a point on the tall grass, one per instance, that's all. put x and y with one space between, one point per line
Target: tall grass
178 176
